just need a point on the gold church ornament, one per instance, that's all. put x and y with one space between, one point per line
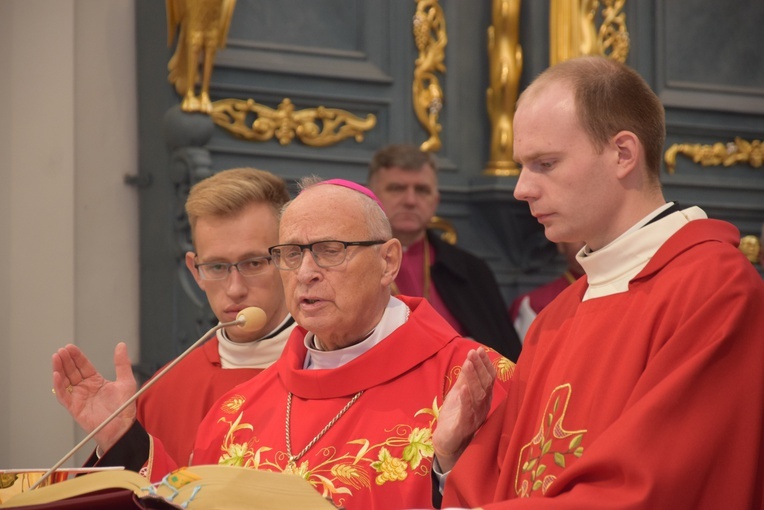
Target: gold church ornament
613 36
203 28
718 154
751 248
316 127
505 59
573 31
429 27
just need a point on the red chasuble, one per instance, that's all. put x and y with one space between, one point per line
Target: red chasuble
647 399
378 454
173 408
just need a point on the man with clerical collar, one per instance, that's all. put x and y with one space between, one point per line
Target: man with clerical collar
233 217
352 403
642 383
459 285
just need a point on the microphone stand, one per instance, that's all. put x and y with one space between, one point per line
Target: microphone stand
240 321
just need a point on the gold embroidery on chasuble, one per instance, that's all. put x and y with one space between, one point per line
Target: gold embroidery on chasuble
505 369
551 450
338 469
233 404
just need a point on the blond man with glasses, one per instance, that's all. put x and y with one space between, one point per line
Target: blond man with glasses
234 219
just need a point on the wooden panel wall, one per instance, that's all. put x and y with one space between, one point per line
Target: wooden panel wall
358 55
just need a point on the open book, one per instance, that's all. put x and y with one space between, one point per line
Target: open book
195 488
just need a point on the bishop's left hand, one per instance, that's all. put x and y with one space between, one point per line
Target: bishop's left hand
464 409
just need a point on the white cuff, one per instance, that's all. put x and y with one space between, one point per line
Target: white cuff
440 476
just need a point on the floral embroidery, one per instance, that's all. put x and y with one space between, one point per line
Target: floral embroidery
505 369
389 468
338 470
335 472
232 404
547 454
300 470
235 453
420 445
351 475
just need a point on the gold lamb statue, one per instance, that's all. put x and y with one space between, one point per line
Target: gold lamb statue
203 29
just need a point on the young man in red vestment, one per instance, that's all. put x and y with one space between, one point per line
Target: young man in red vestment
641 386
459 285
352 403
234 219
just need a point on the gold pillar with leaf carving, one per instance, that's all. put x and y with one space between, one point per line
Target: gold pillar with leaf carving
429 29
505 60
573 30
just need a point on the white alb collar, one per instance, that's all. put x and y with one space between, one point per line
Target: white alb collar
260 353
395 315
610 269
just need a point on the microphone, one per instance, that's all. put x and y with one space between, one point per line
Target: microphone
250 319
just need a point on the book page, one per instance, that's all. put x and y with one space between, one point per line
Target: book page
82 485
233 488
196 488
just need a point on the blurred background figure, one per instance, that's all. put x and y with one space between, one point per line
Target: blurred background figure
527 306
459 285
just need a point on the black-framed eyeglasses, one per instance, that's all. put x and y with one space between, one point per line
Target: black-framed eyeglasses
220 270
325 253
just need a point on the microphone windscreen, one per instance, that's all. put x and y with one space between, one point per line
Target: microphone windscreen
251 319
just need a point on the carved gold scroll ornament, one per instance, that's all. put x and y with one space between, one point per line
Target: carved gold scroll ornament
718 154
724 154
317 127
203 26
429 28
